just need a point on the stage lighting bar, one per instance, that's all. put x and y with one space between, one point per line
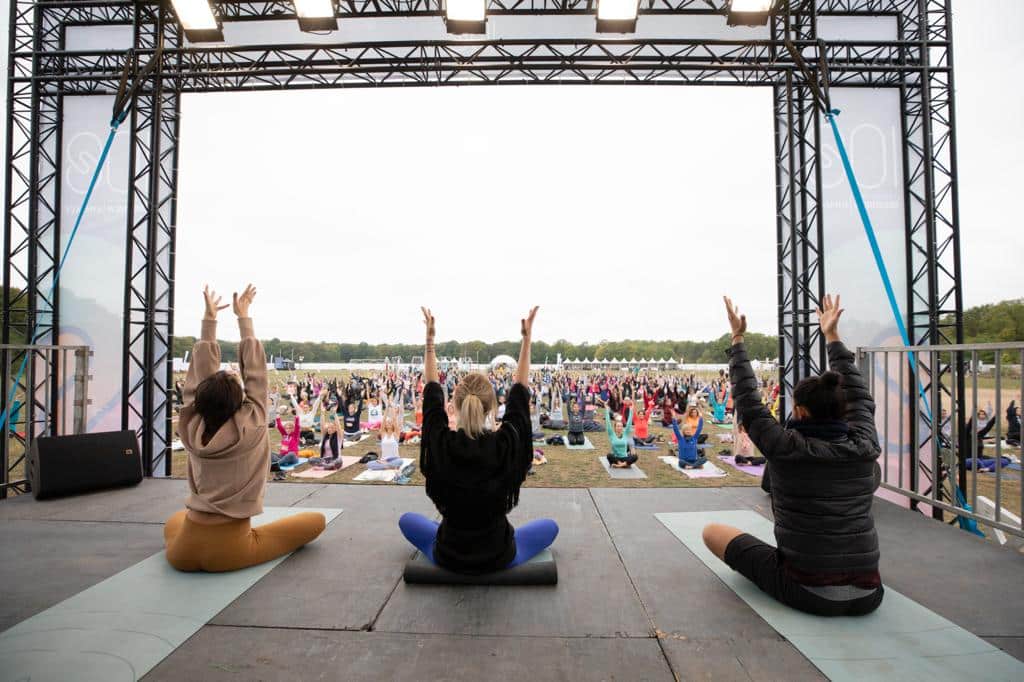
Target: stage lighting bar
749 12
198 21
316 15
617 16
465 16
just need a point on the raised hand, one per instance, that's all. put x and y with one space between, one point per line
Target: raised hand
213 305
526 325
428 320
829 313
737 322
241 303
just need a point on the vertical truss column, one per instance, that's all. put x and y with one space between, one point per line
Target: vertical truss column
801 267
934 294
31 223
149 286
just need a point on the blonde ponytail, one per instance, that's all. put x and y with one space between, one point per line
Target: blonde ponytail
474 399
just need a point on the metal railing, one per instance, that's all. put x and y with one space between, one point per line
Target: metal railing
933 404
51 399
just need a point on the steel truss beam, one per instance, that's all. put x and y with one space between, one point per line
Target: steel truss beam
32 238
801 267
934 293
919 63
149 292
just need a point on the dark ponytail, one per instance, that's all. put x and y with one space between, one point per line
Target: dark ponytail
217 399
823 396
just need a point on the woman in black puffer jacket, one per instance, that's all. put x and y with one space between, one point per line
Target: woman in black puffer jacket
824 473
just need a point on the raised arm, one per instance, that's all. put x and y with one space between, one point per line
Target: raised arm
429 355
252 360
766 433
526 329
205 360
629 424
860 406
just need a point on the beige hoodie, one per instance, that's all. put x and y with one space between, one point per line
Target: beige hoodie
227 476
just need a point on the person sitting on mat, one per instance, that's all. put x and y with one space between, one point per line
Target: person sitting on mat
641 422
352 408
223 427
1013 424
288 452
620 437
473 475
332 442
576 426
824 473
687 439
717 403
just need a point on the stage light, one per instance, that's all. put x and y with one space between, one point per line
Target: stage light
749 12
465 16
316 15
198 21
616 16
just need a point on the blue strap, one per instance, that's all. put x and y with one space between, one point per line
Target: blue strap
883 272
114 125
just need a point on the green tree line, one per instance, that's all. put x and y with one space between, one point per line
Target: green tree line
759 345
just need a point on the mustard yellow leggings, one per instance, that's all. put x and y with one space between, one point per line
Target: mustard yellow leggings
236 544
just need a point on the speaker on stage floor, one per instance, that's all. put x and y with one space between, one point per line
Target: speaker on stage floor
67 465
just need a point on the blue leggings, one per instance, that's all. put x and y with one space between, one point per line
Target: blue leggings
531 538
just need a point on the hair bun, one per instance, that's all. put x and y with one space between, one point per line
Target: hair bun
830 379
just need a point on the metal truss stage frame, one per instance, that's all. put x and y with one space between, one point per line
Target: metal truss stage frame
919 64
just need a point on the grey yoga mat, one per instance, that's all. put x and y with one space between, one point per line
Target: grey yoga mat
628 474
121 628
540 570
900 641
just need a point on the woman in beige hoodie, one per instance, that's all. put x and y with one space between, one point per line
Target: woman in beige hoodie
223 426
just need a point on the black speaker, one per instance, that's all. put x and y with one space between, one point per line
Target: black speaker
67 465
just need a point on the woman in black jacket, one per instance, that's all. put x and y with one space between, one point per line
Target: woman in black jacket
473 475
824 476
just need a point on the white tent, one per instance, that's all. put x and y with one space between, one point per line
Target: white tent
506 360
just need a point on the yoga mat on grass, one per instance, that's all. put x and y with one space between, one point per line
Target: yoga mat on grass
349 443
901 641
708 471
540 570
302 460
316 473
745 468
121 628
629 474
383 475
587 445
652 446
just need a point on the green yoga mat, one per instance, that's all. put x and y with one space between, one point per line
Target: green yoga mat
121 628
901 641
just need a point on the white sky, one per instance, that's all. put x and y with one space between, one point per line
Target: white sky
622 212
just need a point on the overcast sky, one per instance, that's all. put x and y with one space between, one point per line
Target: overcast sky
622 212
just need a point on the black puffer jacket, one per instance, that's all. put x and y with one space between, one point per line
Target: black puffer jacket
822 490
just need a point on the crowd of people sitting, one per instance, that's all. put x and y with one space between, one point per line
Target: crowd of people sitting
317 416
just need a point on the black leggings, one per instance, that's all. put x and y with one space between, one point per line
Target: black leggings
760 563
576 438
630 460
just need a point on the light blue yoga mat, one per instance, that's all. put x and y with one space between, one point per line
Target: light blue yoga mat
121 628
901 641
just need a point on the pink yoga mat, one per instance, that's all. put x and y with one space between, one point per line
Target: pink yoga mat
346 462
745 468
